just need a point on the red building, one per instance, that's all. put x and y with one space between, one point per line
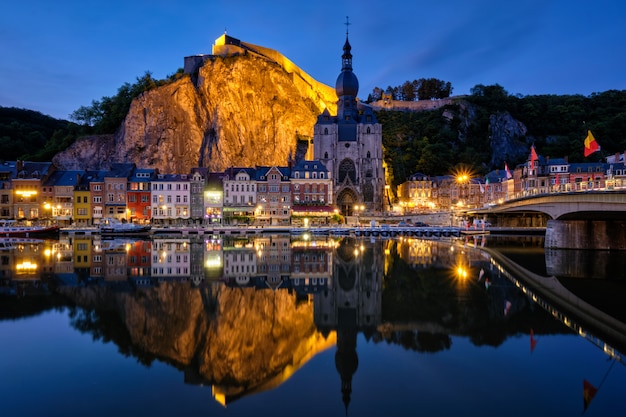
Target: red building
138 195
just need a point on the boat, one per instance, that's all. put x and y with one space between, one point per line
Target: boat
111 226
11 228
10 243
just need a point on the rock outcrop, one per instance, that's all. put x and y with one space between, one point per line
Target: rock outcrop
240 340
242 110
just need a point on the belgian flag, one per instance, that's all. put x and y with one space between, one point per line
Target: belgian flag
589 391
591 145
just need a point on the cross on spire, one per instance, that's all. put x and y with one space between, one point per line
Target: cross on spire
347 24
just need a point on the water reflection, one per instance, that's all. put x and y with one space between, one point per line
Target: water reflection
242 314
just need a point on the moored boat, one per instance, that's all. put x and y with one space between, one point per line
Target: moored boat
11 228
10 243
113 226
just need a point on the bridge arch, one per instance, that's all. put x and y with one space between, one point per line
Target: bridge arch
601 205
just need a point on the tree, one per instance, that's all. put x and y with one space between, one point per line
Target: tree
408 91
377 94
432 88
107 114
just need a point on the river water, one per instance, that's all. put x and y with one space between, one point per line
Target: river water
310 325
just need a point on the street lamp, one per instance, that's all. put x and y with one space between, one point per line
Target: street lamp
357 209
462 179
48 208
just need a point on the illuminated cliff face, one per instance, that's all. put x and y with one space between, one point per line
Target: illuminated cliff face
240 340
243 110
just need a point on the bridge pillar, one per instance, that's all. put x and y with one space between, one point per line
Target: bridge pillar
586 234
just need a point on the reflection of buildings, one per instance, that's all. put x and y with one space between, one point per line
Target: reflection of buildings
311 266
352 303
206 260
277 261
21 260
240 262
170 259
274 259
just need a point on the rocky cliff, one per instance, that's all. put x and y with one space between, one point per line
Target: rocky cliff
240 110
239 340
247 108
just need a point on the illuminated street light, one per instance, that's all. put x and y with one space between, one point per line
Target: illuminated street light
358 208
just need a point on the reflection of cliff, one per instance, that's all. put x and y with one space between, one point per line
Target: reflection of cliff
239 340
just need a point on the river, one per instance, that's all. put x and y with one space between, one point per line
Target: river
310 325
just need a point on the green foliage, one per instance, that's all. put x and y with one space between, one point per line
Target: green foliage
429 143
24 134
557 125
421 89
30 135
107 114
417 142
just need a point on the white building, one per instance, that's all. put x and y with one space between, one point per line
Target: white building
170 197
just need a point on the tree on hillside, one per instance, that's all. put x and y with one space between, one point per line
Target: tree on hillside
432 88
421 89
107 114
409 91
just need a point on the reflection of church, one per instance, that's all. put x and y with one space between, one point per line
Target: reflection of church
352 303
350 145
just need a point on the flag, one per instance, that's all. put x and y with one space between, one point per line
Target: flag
482 189
533 157
508 173
533 341
589 391
591 145
507 307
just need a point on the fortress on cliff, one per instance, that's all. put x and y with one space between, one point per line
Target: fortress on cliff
228 46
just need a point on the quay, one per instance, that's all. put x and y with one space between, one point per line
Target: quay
383 230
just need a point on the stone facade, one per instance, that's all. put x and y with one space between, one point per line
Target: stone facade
350 146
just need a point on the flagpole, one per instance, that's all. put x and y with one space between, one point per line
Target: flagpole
606 374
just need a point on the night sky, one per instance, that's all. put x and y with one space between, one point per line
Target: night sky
60 55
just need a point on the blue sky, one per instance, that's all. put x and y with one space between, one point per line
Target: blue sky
60 55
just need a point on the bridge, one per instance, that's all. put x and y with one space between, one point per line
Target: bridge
581 205
573 220
588 321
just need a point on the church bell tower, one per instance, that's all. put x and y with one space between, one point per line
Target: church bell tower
350 145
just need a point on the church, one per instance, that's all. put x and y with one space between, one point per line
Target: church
350 146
